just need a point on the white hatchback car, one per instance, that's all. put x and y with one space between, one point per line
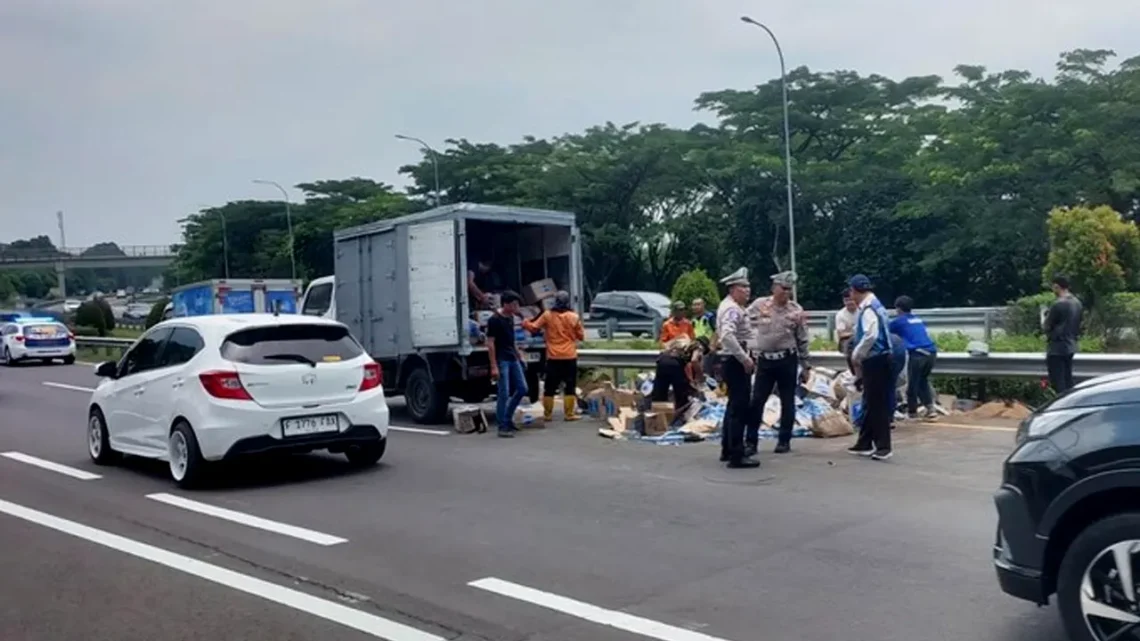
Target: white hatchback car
201 389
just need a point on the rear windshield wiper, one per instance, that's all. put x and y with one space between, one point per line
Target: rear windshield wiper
296 358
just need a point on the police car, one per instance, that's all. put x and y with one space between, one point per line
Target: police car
29 338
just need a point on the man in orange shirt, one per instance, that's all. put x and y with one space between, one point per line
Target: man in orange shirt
677 325
563 329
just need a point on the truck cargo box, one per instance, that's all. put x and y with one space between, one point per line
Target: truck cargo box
235 296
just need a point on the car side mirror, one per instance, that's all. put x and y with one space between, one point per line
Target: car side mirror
107 369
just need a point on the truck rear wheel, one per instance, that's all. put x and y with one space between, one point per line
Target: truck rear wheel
427 402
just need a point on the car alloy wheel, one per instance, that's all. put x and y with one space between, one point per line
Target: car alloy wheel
95 436
1109 592
179 455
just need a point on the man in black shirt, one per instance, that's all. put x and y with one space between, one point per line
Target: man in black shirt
1062 329
506 363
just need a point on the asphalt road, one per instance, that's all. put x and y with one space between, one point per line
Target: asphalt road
557 535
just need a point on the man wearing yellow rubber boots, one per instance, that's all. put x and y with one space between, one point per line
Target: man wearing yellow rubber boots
563 329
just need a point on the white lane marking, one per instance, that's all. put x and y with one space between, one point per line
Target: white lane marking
418 430
74 388
612 618
312 536
322 608
54 467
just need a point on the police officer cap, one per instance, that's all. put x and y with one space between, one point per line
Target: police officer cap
860 283
787 280
738 277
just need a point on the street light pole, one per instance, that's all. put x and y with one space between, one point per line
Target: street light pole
60 267
434 162
787 145
288 221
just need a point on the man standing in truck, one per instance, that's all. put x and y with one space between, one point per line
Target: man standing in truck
506 363
482 281
563 330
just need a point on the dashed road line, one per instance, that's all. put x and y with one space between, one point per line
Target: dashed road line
418 430
75 473
305 534
614 619
67 386
322 608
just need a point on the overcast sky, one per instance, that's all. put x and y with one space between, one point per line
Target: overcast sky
130 114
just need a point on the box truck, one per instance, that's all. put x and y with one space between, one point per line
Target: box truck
235 296
401 286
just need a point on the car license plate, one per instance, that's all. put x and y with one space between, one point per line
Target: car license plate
303 425
533 357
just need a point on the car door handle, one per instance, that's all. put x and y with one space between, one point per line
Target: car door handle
139 391
178 383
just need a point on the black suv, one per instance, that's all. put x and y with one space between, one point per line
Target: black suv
1069 509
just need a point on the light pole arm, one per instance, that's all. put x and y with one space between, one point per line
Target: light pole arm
434 162
289 222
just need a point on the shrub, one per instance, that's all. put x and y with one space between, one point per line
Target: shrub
1023 316
83 330
91 315
696 283
154 316
1096 248
108 313
1115 320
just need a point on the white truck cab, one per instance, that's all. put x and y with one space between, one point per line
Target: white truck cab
319 299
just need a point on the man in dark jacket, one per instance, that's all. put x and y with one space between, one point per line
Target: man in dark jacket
1062 329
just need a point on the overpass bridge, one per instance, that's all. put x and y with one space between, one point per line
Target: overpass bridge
80 257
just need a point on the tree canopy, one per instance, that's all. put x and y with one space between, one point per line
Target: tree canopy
938 189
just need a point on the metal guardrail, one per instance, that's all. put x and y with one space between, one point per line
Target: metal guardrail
986 319
1006 364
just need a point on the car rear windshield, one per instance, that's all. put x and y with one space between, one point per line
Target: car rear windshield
46 330
291 344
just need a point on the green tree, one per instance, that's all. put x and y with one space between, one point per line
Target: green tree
154 316
1095 248
693 284
91 315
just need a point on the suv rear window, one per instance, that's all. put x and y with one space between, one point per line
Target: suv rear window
290 344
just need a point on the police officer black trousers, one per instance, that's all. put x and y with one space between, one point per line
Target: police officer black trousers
875 435
782 376
736 414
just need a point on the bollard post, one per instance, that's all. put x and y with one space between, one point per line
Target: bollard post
611 328
988 324
657 322
831 328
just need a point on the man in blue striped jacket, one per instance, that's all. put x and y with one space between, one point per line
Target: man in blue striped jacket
871 356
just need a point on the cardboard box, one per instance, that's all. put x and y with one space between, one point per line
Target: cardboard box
547 303
529 417
469 419
482 316
831 424
529 312
538 290
624 398
654 424
664 409
494 301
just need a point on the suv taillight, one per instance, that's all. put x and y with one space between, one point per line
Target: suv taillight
373 377
226 385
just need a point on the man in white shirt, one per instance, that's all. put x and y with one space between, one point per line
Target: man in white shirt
845 320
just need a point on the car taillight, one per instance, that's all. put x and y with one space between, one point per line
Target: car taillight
19 338
373 377
225 385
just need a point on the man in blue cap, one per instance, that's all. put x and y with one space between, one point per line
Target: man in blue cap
871 355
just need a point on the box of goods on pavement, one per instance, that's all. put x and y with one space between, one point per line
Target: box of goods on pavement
599 402
538 291
529 416
666 410
655 423
470 419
